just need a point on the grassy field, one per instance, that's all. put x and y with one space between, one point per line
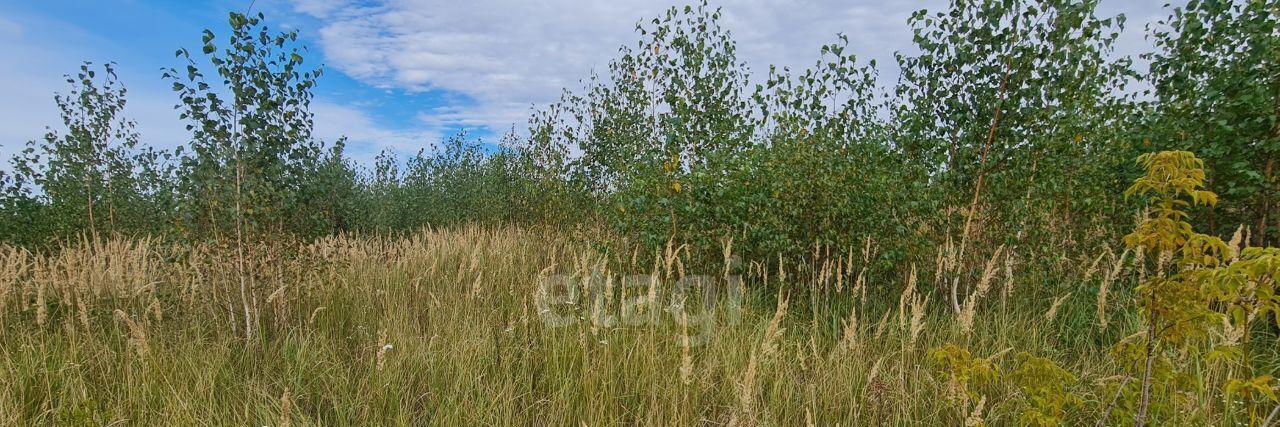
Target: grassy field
497 326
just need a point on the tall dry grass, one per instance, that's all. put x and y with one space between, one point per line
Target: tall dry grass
450 327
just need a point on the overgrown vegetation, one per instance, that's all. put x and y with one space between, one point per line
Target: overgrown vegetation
678 241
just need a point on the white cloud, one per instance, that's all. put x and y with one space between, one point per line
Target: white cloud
506 55
509 54
365 137
34 68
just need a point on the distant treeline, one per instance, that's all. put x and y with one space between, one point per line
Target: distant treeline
1015 122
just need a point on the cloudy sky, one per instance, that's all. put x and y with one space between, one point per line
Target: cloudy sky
402 73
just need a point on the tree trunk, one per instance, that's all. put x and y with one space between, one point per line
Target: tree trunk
977 187
1260 239
1141 419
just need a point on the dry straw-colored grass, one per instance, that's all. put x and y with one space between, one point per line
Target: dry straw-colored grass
444 327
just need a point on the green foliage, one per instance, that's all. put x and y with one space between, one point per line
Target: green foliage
677 145
964 373
1020 93
1209 277
251 148
1217 91
655 135
1130 354
92 177
1169 176
677 142
1173 303
1246 289
1173 309
1045 391
461 182
1259 386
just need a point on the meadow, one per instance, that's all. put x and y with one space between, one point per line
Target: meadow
461 327
1007 234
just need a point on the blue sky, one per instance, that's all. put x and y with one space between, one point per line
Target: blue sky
47 39
401 74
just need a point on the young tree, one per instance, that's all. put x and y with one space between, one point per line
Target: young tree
1013 95
1216 79
91 176
327 198
1010 109
251 146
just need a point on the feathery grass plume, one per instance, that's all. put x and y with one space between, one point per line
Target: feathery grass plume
137 337
746 413
15 266
908 293
969 311
813 351
763 271
82 310
824 274
686 359
874 373
475 286
1093 267
866 249
41 311
875 389
1008 277
677 261
975 418
154 309
997 355
1236 245
311 320
918 306
884 322
1231 334
769 345
276 294
381 357
474 260
1052 313
860 285
381 278
913 320
286 409
849 337
1104 288
840 272
1139 260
